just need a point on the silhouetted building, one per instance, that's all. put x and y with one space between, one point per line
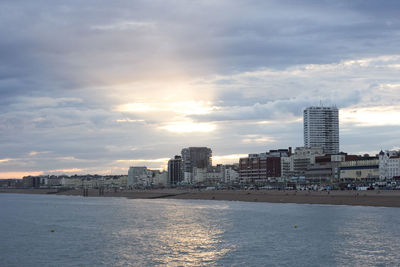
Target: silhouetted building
31 181
195 157
175 170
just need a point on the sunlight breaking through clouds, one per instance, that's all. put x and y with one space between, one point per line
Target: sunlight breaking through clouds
189 127
254 138
227 159
183 107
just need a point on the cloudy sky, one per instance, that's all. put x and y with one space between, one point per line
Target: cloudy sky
98 86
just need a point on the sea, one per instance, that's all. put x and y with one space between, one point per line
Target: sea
52 230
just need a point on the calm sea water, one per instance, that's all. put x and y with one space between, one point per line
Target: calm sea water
123 232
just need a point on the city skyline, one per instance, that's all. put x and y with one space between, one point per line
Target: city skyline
89 89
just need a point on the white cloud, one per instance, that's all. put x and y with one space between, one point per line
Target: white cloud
254 138
371 116
129 120
227 159
72 170
5 160
183 107
183 127
159 160
125 26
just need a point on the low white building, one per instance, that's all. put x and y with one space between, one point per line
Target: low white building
199 175
216 174
231 175
389 164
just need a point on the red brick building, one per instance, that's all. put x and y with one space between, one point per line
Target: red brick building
261 167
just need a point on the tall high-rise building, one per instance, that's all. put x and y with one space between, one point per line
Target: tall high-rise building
175 170
321 128
195 157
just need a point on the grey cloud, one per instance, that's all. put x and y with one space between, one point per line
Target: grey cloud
220 37
61 65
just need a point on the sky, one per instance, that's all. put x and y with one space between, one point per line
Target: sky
98 86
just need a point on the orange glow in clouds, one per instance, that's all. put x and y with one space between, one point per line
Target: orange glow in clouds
18 175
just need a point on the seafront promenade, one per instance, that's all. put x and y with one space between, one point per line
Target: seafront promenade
382 198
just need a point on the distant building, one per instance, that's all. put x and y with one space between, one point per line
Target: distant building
198 175
303 158
321 128
231 174
364 169
31 182
262 167
195 157
159 178
175 170
389 164
286 167
325 168
215 174
135 174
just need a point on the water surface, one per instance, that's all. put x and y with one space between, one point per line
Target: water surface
123 232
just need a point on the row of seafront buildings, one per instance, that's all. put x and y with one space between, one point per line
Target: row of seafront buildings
192 167
310 165
66 181
318 161
303 166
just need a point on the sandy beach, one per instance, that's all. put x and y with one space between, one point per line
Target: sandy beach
359 198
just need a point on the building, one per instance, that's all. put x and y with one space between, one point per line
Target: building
325 168
262 167
175 170
160 178
231 175
215 174
136 174
303 158
389 164
286 167
195 157
365 169
198 176
321 128
31 181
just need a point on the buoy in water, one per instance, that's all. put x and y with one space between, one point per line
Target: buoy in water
52 230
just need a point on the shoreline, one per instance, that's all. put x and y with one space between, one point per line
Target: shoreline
374 198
